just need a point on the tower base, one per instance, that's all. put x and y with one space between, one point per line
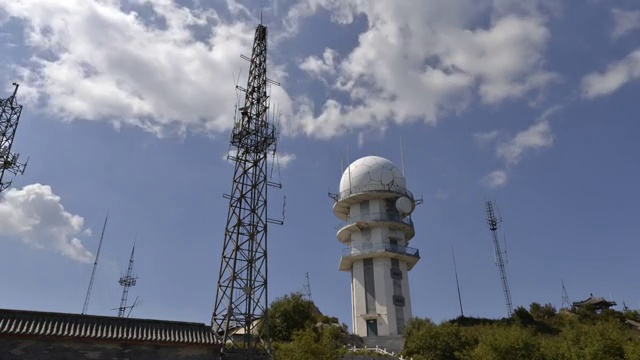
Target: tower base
392 343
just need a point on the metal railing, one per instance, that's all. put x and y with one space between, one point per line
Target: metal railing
393 187
372 248
393 217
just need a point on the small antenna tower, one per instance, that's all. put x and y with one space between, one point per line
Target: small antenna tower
565 297
307 288
455 269
95 267
493 222
126 282
10 112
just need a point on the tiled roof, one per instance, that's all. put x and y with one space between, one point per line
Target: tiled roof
59 325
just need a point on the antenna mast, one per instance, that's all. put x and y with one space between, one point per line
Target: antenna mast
126 282
455 269
307 288
10 112
493 222
565 297
241 297
95 267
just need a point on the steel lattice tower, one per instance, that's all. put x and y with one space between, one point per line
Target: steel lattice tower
10 112
492 221
127 281
241 298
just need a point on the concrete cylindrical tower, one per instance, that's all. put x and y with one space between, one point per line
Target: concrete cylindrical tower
375 207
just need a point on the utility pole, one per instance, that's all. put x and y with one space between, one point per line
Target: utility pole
10 112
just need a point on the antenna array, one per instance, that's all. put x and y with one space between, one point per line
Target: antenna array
126 282
10 112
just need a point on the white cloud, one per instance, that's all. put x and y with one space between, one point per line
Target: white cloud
419 60
422 59
93 60
485 138
495 179
317 67
624 22
283 160
613 78
538 135
35 215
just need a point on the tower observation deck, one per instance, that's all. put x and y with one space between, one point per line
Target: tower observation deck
375 208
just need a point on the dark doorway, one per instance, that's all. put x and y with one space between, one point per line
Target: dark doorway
372 327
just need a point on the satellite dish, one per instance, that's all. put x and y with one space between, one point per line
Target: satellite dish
404 205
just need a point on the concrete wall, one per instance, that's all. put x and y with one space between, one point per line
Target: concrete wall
13 348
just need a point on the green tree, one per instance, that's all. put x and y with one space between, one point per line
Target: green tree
542 313
289 314
310 344
508 343
426 341
604 340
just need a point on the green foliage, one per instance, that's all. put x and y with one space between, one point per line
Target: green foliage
426 341
289 314
507 343
540 333
310 344
299 332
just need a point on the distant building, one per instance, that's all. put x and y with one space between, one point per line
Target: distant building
38 335
597 303
375 207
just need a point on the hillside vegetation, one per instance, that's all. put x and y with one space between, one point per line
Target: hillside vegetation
301 332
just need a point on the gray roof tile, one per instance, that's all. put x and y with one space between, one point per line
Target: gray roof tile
47 324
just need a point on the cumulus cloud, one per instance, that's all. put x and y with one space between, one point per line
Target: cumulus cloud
167 71
421 59
35 215
624 22
495 179
280 159
613 78
319 66
167 68
538 135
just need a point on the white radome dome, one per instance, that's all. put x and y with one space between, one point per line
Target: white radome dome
372 173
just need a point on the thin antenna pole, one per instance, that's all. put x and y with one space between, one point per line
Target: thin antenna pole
402 157
565 296
349 168
455 269
95 267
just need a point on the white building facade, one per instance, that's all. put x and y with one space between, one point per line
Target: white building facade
376 208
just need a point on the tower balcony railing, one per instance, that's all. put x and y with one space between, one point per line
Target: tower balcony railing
381 247
377 217
393 188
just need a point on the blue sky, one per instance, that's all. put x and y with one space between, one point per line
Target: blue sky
533 105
